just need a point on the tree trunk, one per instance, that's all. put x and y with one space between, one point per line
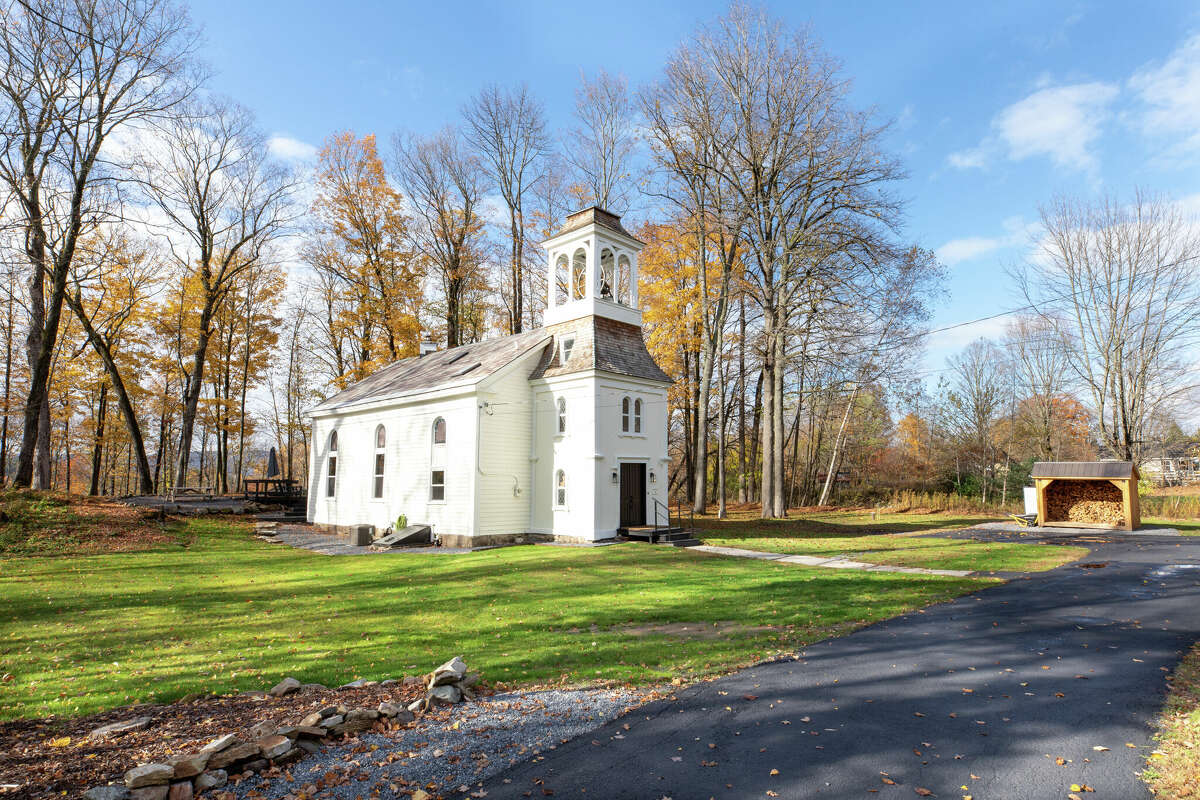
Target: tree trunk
8 341
191 401
98 440
778 441
132 426
836 455
767 484
704 373
721 421
743 468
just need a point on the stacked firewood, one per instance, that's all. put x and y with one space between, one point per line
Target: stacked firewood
1096 502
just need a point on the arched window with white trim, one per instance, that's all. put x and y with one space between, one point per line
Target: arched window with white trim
331 465
624 290
637 415
437 461
562 415
562 281
608 274
560 489
625 414
380 457
579 275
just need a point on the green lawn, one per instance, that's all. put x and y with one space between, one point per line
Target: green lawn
211 609
1186 527
883 540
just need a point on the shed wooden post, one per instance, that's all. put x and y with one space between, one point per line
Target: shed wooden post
1041 484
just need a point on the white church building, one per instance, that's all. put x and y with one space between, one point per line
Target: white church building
555 433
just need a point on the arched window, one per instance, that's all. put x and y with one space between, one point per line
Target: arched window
637 415
380 444
331 466
624 280
579 275
439 431
624 415
562 281
437 470
560 489
607 274
562 415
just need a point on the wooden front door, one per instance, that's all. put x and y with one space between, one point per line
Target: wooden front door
633 495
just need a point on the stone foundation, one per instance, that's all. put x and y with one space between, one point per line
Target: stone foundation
458 540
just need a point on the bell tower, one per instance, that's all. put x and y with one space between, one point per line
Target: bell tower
592 269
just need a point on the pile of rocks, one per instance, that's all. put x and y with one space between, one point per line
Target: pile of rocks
448 684
268 743
267 531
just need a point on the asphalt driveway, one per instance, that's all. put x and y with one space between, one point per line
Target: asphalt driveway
1018 691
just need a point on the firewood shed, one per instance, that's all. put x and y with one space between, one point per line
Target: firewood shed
1087 494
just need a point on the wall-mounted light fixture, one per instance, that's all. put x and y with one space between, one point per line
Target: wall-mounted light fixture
616 477
653 477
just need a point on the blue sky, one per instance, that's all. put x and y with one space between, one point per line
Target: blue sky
996 106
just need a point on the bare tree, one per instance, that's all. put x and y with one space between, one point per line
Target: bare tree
508 127
72 72
446 182
1042 365
810 177
689 126
227 203
1119 282
602 146
975 398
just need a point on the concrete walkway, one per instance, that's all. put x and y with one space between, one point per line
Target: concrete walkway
832 563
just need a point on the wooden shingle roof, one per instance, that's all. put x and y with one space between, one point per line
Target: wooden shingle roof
601 344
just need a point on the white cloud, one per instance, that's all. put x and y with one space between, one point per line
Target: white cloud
1061 123
956 251
1017 232
971 158
1058 122
288 148
1170 94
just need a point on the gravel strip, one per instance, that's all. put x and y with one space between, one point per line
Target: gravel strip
451 750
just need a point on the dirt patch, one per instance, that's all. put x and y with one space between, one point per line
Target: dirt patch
50 524
55 757
687 630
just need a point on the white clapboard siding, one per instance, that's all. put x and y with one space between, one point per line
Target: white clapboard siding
504 450
410 457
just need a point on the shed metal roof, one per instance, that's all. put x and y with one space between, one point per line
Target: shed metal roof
1099 470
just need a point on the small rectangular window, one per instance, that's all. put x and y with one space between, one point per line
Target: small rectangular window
331 480
378 475
437 485
568 344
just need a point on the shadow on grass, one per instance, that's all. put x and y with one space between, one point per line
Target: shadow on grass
229 613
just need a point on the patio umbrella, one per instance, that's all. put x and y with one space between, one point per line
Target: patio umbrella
272 464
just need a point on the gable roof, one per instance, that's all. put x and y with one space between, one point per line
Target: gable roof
1083 469
465 365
